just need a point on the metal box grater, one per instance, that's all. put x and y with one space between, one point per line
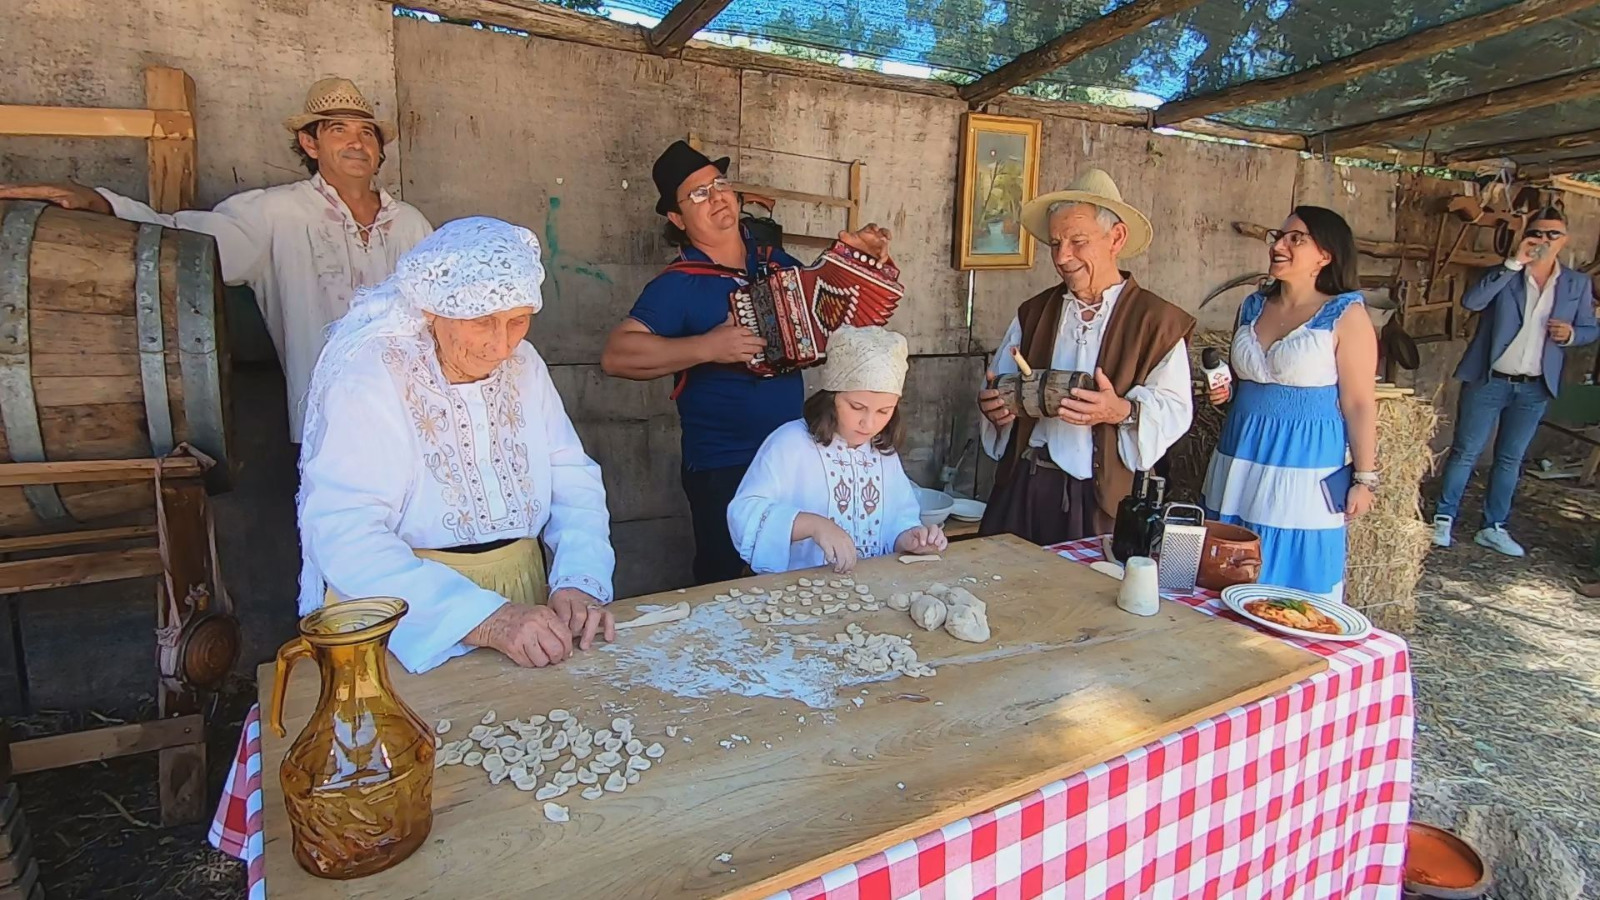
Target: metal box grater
1183 540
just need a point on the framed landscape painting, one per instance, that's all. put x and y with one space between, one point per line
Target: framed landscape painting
998 172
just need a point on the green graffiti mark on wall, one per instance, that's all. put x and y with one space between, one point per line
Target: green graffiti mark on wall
554 264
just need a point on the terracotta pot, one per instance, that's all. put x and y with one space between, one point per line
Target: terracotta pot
1442 866
1231 555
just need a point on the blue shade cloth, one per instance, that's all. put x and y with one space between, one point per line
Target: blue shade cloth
1213 45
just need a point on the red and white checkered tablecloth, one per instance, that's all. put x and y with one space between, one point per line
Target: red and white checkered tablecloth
1303 795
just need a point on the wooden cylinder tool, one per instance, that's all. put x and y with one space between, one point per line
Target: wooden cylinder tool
1022 364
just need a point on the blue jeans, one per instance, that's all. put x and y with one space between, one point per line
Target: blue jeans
1517 408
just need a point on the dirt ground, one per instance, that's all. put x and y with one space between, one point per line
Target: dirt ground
1507 663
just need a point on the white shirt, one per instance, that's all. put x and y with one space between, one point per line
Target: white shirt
408 460
863 491
1165 399
1525 354
300 250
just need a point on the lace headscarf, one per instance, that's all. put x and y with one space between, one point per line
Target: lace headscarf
469 268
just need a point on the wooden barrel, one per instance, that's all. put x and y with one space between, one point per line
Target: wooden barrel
110 348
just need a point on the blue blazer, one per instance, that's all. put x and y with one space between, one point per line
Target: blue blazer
1500 297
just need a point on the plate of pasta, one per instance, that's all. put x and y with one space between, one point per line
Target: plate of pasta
1297 613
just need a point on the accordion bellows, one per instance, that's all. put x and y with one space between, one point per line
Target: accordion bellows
795 309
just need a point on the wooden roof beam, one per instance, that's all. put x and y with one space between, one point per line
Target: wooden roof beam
1061 50
681 23
1530 147
1542 171
1386 55
1533 94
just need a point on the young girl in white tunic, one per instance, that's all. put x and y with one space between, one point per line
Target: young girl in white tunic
828 488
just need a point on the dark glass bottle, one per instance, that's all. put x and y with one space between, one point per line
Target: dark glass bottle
1138 528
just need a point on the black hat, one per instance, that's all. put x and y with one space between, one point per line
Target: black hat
679 162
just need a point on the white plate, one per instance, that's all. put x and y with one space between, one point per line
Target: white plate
967 510
1355 625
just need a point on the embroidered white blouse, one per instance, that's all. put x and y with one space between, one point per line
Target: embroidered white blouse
1166 403
863 491
301 251
408 460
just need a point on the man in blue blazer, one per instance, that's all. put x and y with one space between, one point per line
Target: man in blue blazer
1529 309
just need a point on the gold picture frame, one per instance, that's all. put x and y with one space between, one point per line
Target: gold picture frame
998 172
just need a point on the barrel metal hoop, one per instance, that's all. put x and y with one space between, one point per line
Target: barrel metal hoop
197 344
18 407
152 343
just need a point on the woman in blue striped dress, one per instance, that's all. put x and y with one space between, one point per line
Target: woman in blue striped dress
1304 357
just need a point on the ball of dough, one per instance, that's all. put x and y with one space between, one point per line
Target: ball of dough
901 602
960 596
967 622
938 589
928 611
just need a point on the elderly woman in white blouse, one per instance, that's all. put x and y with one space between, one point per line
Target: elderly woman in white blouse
437 454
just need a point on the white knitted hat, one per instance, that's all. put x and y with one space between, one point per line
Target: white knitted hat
865 359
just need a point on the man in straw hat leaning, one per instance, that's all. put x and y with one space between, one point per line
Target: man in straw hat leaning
1061 478
303 248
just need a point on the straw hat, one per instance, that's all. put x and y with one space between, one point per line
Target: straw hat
1093 186
338 100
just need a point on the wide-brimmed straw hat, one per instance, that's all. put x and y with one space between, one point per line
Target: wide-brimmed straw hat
338 100
1096 187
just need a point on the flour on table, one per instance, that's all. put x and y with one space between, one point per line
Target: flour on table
713 654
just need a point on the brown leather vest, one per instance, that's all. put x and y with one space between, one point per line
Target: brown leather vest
1142 330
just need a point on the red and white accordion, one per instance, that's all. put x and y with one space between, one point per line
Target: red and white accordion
795 309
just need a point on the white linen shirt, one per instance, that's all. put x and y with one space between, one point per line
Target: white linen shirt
863 491
1166 400
1525 354
407 461
299 249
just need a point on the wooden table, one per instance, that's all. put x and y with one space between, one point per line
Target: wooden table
1068 680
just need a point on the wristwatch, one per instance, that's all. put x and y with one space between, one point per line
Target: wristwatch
1132 421
1368 480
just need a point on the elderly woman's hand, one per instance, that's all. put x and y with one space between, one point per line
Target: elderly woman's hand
533 636
584 616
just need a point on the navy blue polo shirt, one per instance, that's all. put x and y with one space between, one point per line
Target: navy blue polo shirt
726 411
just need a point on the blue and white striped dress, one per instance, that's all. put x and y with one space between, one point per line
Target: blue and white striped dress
1285 433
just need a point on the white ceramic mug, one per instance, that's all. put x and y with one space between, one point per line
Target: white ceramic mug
1140 593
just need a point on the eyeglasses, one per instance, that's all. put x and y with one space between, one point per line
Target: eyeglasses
1549 234
1296 238
703 193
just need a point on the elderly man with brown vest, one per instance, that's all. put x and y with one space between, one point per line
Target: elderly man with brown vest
1061 478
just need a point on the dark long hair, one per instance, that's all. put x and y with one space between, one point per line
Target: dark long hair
1332 233
822 421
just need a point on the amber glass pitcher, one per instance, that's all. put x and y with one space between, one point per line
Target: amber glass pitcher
358 781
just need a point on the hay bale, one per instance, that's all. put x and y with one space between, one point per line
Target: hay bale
1385 548
1191 454
1383 562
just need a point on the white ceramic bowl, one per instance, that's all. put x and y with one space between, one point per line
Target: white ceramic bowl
967 510
936 505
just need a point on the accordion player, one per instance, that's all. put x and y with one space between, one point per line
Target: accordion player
794 309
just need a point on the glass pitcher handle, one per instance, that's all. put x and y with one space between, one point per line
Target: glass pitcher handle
289 654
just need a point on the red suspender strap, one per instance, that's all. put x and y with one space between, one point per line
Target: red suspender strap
690 267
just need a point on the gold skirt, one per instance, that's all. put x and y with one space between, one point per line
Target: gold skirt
515 571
